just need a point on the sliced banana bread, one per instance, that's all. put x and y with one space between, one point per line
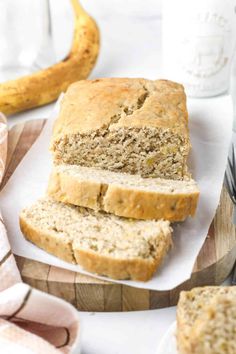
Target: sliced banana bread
215 330
135 126
123 194
194 311
101 243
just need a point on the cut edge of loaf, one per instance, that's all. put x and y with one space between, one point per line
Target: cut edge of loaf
187 315
141 127
127 149
135 268
214 330
122 194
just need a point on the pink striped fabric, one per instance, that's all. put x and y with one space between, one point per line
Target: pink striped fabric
30 321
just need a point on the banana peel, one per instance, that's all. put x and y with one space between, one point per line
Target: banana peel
46 85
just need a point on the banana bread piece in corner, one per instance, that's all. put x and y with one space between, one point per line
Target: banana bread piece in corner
204 322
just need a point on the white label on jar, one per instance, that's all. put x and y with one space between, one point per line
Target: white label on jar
198 44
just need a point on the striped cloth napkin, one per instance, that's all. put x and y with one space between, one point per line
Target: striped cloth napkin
30 321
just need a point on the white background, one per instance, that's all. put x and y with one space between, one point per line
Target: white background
135 29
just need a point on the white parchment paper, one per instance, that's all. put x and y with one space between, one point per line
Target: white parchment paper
210 128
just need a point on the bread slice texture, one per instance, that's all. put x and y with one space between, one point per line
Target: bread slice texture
122 194
135 126
101 243
215 330
192 310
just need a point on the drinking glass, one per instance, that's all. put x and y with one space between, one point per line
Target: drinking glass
25 37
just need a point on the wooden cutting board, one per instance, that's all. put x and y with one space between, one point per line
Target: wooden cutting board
213 265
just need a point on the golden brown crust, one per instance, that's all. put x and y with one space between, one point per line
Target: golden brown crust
121 201
161 104
64 188
136 269
56 245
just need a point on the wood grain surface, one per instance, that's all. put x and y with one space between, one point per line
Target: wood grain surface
213 265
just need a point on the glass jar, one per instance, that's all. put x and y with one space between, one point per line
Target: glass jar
25 37
198 44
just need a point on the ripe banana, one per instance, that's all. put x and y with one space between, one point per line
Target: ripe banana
46 85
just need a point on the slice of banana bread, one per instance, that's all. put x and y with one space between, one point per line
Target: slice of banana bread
101 243
135 126
193 311
215 330
123 194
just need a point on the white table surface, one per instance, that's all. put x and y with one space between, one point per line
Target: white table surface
130 46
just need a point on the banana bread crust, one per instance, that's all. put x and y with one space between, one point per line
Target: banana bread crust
136 126
122 200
